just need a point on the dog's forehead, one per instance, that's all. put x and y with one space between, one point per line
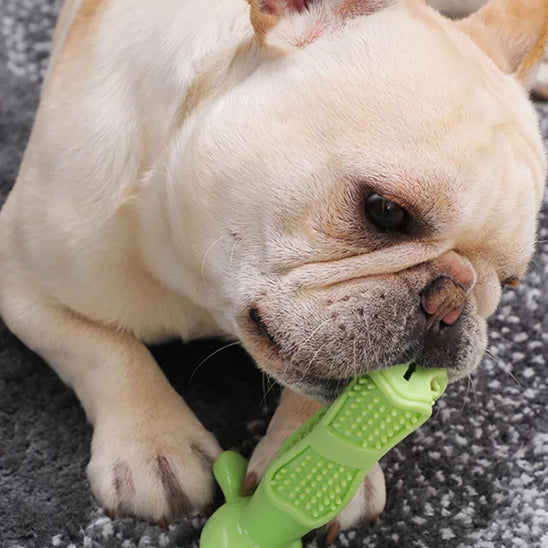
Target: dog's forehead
404 75
416 67
406 90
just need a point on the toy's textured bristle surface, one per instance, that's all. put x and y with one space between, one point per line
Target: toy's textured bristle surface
367 418
303 431
313 485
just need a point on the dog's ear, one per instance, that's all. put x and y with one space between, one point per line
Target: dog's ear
267 14
513 33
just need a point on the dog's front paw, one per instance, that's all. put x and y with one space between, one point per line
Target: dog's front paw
365 507
151 468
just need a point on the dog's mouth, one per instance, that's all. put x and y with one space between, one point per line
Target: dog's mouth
261 328
324 389
318 351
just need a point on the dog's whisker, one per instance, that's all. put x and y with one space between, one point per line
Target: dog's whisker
493 357
491 354
502 365
271 384
505 339
314 356
264 381
514 378
268 385
465 398
235 343
231 260
204 258
369 341
311 361
303 344
331 367
474 391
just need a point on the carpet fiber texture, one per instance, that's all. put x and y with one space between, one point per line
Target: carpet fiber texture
475 475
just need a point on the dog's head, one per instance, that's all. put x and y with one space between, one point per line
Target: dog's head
370 182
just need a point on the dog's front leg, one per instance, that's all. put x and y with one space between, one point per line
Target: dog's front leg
150 456
295 409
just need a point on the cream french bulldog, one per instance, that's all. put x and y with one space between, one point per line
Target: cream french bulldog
340 185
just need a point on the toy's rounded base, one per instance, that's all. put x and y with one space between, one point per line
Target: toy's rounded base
223 529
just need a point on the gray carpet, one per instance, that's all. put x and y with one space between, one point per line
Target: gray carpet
475 475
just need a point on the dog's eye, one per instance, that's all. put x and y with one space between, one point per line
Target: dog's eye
385 214
512 281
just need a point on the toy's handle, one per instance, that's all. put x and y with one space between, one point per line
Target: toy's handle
321 466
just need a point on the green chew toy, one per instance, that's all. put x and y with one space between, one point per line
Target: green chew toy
320 467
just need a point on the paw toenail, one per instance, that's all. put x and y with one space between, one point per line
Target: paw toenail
375 519
333 530
208 510
249 484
